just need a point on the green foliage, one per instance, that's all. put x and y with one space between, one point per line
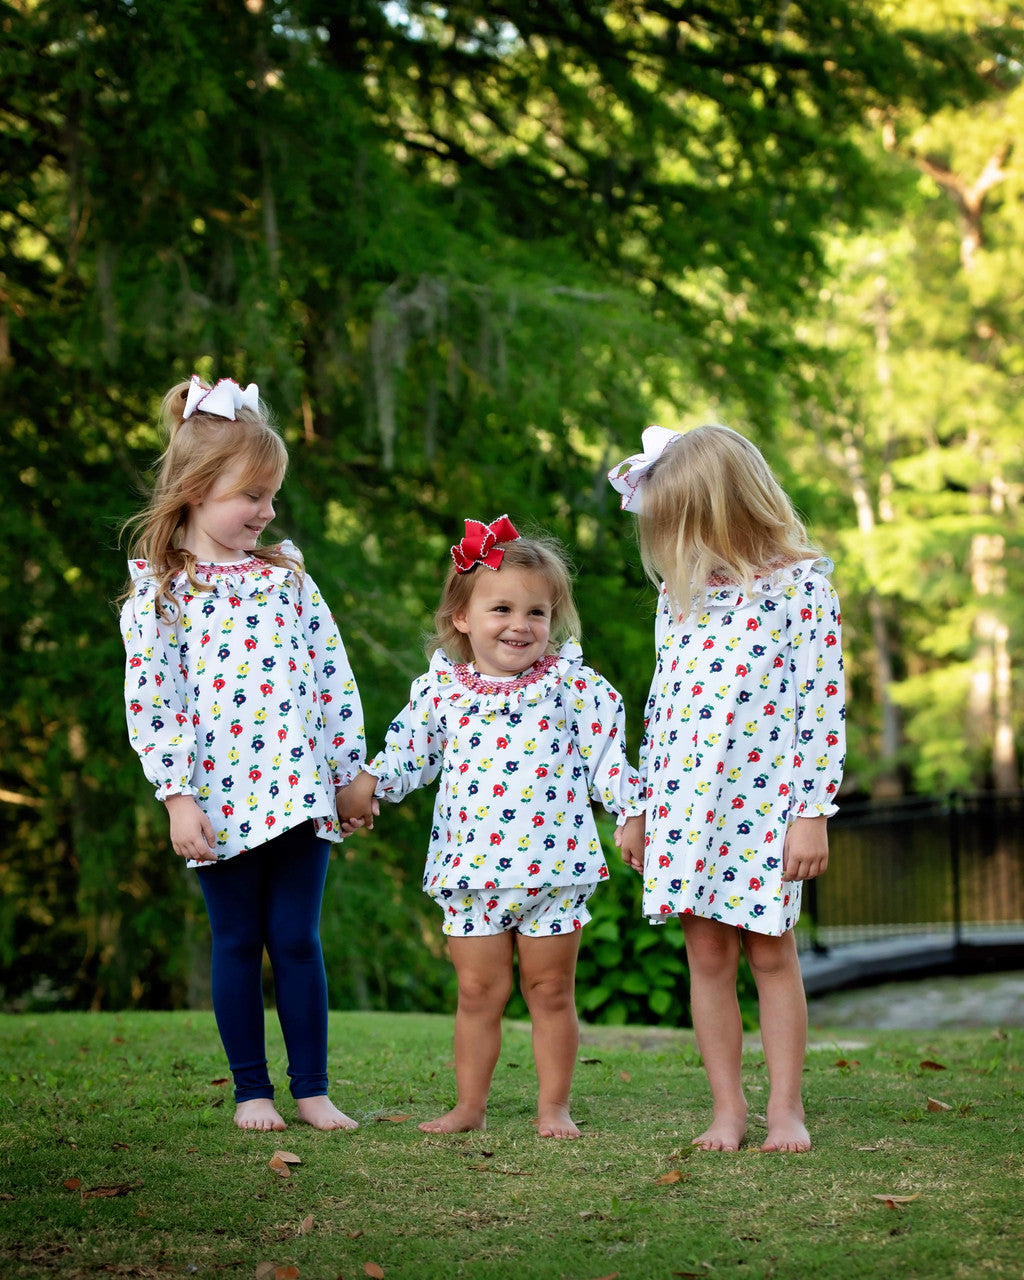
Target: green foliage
467 255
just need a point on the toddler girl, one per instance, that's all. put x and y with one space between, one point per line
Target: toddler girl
523 736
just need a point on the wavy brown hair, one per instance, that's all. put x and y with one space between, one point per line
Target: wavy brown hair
538 554
712 508
199 449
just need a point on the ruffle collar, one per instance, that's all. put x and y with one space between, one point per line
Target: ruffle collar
245 578
463 687
774 582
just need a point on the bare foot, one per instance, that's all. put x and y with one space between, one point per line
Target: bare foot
459 1120
321 1113
258 1113
725 1133
556 1122
787 1133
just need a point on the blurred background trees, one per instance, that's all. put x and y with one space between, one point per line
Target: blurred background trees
468 252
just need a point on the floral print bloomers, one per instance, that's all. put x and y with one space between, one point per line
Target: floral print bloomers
519 762
245 701
744 732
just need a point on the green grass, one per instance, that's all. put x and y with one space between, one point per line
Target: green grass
119 1157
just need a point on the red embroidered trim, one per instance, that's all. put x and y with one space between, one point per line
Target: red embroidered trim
204 569
465 675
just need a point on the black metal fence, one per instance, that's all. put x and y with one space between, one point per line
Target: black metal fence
950 866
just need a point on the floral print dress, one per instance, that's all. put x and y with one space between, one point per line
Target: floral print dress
245 701
744 732
519 763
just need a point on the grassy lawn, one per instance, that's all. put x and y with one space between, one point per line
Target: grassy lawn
119 1157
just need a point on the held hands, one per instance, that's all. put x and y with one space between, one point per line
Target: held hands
192 833
805 853
630 839
357 805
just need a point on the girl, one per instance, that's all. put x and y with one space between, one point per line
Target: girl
523 735
243 710
743 747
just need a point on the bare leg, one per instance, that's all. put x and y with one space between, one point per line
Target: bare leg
484 969
258 1113
713 953
547 978
780 992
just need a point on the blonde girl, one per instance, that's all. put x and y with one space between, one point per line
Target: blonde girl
743 748
523 736
242 708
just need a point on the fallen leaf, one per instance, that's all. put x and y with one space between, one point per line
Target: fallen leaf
392 1119
288 1157
72 1184
673 1175
928 1065
286 1273
107 1193
372 1269
935 1105
843 1062
119 1146
354 1235
221 1080
891 1202
306 1225
625 1077
279 1167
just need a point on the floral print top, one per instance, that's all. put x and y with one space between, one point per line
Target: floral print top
519 763
245 701
744 731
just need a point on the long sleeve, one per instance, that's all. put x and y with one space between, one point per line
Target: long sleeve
339 697
820 691
159 727
598 724
412 752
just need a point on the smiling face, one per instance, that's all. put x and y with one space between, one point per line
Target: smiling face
226 525
507 620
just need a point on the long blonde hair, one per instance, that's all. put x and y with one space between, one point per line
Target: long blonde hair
199 449
539 555
712 508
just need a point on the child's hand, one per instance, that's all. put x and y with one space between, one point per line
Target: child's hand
357 805
805 852
192 833
630 839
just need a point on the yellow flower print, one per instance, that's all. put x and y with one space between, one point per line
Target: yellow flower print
483 810
243 669
560 865
251 800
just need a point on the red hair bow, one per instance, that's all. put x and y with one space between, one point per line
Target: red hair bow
479 546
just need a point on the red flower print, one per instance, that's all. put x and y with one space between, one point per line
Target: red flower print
218 684
737 802
502 744
250 643
709 644
742 670
805 613
227 810
752 624
754 755
831 690
266 689
499 789
666 910
831 739
830 640
208 766
135 662
293 780
495 837
699 865
596 728
664 860
533 869
236 729
271 820
783 788
538 819
463 721
754 882
543 724
255 775
542 772
697 688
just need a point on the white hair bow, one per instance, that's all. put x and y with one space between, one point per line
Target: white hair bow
223 399
627 475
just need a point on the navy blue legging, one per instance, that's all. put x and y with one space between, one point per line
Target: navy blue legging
270 898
